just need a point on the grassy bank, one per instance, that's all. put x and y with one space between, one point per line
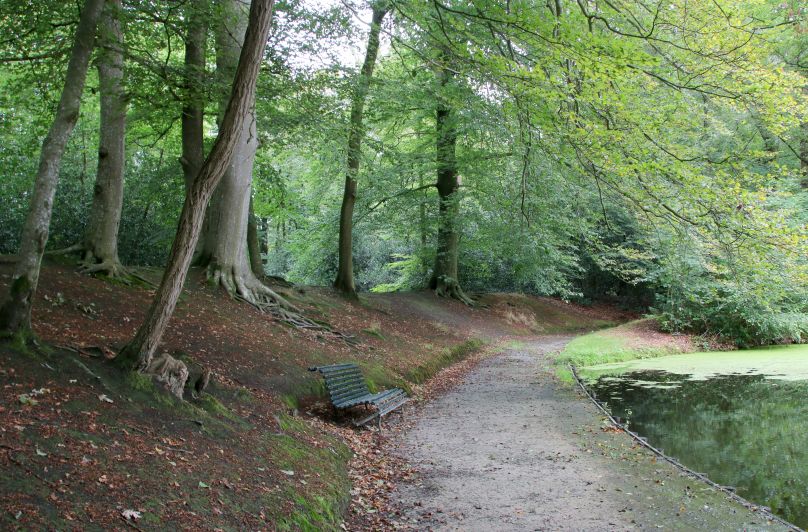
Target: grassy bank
629 341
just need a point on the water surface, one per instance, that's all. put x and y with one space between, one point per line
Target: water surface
740 417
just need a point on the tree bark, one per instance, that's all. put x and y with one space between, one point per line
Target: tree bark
193 112
140 351
15 313
100 244
804 156
444 277
345 278
804 147
254 244
224 250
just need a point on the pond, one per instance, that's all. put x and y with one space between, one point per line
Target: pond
740 417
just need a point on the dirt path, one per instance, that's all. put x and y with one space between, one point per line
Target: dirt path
512 449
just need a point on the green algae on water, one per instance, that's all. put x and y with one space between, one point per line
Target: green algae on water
788 363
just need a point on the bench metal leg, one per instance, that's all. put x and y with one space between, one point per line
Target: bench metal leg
366 419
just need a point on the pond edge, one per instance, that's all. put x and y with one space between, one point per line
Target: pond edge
762 510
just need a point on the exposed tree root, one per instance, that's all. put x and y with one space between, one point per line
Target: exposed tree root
108 268
169 372
75 248
449 287
91 264
246 287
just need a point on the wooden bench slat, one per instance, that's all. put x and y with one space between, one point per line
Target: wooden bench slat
332 367
392 405
343 380
356 391
374 399
340 381
341 371
358 388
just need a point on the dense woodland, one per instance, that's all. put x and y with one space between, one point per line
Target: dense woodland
649 153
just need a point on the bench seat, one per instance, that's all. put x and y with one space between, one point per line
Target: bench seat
347 389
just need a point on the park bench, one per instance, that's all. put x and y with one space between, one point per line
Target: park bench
347 389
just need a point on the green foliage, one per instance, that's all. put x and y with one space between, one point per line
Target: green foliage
409 273
751 295
734 313
644 156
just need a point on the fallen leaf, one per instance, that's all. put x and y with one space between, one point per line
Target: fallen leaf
131 514
27 399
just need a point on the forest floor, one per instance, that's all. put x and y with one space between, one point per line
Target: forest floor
86 446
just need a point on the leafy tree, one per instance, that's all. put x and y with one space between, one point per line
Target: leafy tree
15 313
140 351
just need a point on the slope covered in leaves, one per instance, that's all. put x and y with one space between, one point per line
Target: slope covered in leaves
81 441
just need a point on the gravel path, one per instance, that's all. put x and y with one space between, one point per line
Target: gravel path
511 449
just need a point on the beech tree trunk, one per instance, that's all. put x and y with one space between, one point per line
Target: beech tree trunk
100 244
224 250
15 313
444 277
804 149
193 112
804 155
345 278
254 243
140 351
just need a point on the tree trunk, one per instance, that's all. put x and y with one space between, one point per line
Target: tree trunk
224 250
140 351
193 112
100 244
444 277
15 314
804 155
804 148
254 244
345 278
422 228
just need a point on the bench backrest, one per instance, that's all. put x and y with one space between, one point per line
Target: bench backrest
343 381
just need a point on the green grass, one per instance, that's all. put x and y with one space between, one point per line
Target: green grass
445 358
602 347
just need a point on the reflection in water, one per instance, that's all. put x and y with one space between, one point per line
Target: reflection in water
741 430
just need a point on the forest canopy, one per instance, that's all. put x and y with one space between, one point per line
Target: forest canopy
645 152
